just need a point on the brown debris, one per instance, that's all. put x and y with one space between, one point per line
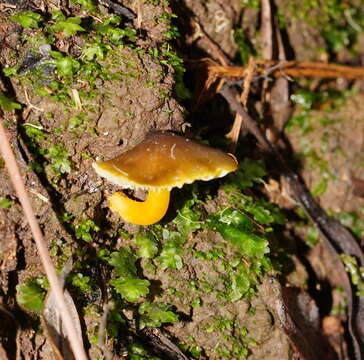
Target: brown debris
290 68
234 133
357 186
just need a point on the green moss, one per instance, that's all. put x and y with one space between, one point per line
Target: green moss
7 104
87 5
245 48
59 159
353 220
61 251
356 272
147 246
81 282
85 229
339 22
255 4
155 314
171 254
126 281
27 19
235 342
100 57
136 351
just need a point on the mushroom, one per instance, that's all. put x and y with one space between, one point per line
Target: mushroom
159 163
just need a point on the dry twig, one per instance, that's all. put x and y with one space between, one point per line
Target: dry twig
215 49
290 68
102 331
266 30
23 197
233 135
215 74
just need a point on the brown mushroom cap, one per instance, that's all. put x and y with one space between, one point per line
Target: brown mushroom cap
165 160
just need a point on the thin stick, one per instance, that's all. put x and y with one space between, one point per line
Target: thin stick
247 81
102 331
266 30
139 14
216 51
19 187
235 130
292 68
30 104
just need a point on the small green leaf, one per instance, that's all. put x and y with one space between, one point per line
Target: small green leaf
6 203
27 19
239 286
195 351
56 54
234 217
131 289
188 218
171 254
85 229
7 104
312 236
68 26
57 15
155 314
67 66
103 254
196 302
41 91
320 188
80 281
353 221
170 258
31 295
250 244
356 272
9 71
115 34
124 262
34 133
261 215
127 284
147 246
60 161
249 172
93 51
88 5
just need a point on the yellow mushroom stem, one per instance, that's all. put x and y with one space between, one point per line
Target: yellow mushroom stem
145 212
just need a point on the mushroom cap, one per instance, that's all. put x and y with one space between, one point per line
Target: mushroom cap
164 161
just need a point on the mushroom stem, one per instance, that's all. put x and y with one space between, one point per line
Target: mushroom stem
146 212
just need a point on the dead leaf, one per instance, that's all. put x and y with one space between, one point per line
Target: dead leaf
54 328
